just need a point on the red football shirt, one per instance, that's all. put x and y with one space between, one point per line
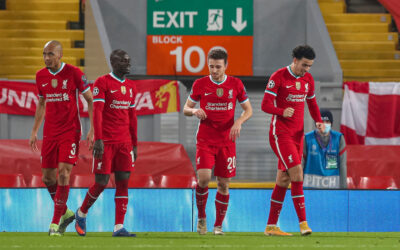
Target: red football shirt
60 90
289 90
218 100
118 96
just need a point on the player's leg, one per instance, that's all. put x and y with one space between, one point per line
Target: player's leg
276 203
204 162
221 204
280 147
102 169
296 178
61 196
225 169
49 166
122 166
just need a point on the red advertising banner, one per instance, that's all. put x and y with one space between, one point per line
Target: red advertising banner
153 97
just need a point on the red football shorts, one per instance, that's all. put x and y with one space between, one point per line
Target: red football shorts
61 150
288 150
116 157
222 157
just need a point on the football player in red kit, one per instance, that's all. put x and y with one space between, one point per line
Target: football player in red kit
287 91
58 85
115 146
217 94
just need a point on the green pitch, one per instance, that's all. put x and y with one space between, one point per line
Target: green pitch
194 241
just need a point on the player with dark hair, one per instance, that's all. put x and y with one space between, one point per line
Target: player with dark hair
217 133
58 85
115 146
285 94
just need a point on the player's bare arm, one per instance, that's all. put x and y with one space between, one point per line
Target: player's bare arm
39 115
98 149
237 126
189 110
90 136
288 112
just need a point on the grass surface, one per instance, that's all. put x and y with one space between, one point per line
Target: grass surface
195 241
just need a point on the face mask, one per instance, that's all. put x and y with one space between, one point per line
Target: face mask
327 128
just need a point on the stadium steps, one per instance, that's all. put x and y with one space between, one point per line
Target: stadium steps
30 42
43 5
32 60
21 69
39 15
44 34
368 55
374 46
37 52
366 49
363 37
33 24
26 26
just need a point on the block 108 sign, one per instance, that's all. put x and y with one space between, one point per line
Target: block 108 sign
187 55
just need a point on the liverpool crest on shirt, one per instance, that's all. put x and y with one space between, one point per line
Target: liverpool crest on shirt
123 90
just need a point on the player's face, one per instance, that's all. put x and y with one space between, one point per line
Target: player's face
217 69
52 57
302 66
121 64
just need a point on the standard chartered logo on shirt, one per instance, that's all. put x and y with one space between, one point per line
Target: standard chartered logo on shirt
219 106
120 104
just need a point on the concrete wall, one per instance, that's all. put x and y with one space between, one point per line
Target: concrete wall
279 26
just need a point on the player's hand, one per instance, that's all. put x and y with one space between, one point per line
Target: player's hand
98 149
288 112
199 113
90 138
135 152
320 127
32 143
235 131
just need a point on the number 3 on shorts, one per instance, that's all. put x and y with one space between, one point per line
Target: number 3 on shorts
133 156
73 150
231 163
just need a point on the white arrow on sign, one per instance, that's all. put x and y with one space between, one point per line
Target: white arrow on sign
239 25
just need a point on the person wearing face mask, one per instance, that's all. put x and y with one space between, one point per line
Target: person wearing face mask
324 157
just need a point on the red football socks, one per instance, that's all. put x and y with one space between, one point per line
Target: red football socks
221 205
201 201
298 200
91 196
60 203
277 198
52 190
121 200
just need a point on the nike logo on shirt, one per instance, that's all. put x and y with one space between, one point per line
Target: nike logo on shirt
44 85
289 86
113 91
206 94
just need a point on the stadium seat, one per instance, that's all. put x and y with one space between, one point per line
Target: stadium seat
141 181
350 183
12 181
377 182
87 180
178 181
36 181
